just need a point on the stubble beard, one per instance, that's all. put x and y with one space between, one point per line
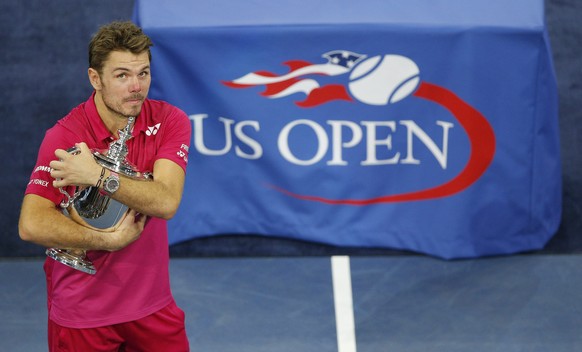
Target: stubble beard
117 109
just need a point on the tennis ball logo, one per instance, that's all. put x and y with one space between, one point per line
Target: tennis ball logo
384 80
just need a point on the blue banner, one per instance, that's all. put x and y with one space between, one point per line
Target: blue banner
437 137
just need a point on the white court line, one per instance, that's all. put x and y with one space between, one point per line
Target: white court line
344 307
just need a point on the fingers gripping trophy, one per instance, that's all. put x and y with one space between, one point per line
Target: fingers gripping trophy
92 206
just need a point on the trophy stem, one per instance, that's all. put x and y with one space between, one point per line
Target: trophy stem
76 262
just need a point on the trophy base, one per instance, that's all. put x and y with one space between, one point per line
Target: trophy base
70 260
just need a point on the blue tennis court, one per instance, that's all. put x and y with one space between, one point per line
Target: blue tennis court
400 303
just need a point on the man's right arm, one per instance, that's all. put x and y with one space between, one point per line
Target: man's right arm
44 224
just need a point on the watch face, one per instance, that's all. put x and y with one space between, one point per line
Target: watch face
111 184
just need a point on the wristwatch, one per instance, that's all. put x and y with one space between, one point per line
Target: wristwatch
111 183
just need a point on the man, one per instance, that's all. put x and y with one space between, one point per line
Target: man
127 305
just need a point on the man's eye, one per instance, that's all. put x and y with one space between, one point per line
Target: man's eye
122 75
143 74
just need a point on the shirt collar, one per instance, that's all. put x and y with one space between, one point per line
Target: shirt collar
101 131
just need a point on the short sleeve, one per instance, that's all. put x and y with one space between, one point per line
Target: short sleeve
175 142
41 182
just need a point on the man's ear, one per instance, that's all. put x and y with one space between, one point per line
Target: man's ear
94 78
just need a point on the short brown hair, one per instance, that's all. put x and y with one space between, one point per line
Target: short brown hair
123 36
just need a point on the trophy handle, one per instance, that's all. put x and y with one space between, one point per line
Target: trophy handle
69 199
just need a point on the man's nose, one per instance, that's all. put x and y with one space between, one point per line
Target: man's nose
134 85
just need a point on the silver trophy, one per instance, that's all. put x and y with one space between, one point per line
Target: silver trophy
92 207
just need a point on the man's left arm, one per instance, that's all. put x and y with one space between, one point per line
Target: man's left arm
159 197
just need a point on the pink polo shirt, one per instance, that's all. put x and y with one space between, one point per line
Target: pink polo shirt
133 282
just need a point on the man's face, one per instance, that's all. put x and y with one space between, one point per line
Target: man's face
125 82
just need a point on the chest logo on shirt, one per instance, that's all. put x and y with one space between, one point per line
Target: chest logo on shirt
153 130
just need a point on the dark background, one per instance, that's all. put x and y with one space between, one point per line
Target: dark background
43 75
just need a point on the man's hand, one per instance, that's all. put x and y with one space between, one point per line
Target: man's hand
79 169
126 231
120 235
